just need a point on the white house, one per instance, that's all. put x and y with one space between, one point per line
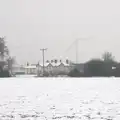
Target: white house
31 69
54 68
20 69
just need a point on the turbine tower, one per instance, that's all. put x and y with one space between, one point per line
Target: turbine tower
76 43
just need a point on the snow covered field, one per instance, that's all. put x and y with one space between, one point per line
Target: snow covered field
60 99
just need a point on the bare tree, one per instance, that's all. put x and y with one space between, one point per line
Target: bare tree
108 57
4 52
3 49
11 61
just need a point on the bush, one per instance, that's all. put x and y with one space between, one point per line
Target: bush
5 73
99 68
46 74
75 73
94 68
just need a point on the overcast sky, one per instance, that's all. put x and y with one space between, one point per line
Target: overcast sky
55 24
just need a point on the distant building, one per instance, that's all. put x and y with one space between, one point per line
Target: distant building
31 69
18 69
51 68
54 68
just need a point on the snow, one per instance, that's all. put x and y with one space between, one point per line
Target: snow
55 64
25 76
29 98
30 66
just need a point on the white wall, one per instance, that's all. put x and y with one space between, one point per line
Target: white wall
55 69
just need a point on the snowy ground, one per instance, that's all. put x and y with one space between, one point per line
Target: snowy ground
25 76
60 99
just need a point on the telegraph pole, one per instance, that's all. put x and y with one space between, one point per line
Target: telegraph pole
43 52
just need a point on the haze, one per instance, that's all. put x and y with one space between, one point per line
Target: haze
55 24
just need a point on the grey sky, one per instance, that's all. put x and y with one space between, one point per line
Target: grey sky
33 24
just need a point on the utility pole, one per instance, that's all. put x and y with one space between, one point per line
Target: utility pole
43 51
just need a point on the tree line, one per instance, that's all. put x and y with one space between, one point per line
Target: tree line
104 67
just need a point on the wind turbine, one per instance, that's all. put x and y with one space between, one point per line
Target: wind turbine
76 43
